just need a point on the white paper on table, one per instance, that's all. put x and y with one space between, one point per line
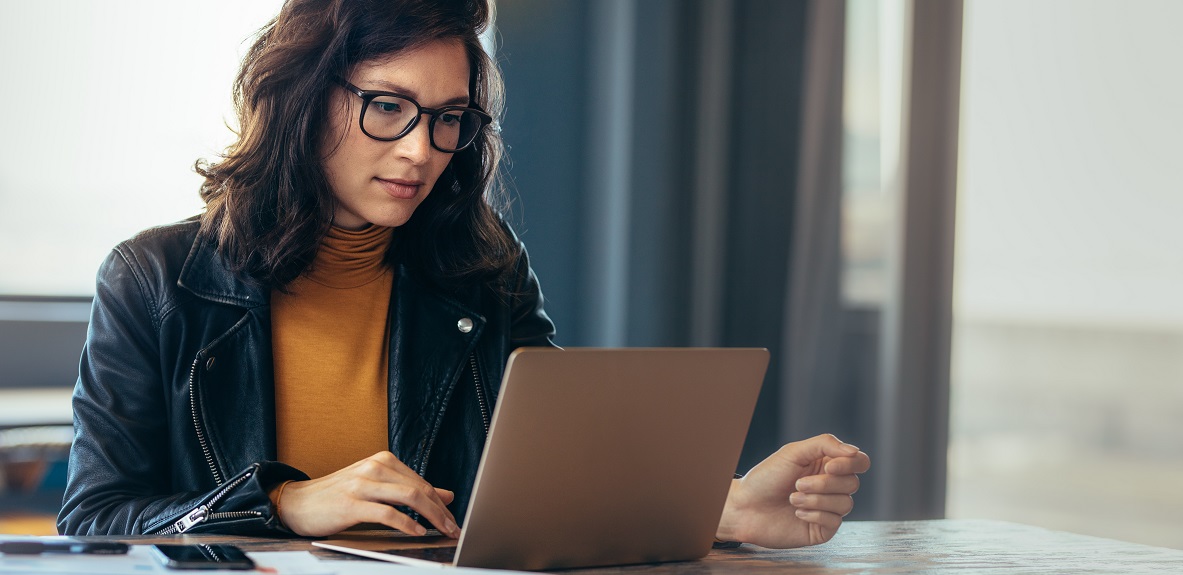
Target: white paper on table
140 560
286 563
369 567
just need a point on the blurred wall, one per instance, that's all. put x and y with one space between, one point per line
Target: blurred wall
1068 343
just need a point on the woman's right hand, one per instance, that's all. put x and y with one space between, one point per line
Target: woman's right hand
365 492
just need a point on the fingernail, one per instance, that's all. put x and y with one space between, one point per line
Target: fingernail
803 485
796 498
452 529
851 448
800 513
420 530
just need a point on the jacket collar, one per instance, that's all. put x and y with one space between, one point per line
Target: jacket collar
206 275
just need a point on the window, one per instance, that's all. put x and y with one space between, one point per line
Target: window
1067 381
105 107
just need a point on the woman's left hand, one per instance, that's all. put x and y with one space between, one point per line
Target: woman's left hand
796 497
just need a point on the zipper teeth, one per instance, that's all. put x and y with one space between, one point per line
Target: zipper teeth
229 514
480 394
205 450
219 495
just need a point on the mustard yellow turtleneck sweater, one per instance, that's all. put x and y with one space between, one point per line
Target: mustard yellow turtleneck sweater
329 340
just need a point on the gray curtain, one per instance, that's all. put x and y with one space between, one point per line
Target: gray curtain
678 171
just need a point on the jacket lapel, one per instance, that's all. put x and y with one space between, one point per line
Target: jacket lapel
233 377
432 336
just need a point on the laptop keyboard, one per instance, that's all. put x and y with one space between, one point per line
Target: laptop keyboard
437 554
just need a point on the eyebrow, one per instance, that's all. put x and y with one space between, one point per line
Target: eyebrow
392 87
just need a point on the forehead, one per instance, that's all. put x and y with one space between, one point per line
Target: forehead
435 71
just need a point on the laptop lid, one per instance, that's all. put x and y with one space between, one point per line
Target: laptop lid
609 456
599 457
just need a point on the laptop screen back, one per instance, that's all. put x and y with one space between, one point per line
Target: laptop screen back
609 456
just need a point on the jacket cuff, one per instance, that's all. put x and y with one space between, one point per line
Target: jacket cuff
246 509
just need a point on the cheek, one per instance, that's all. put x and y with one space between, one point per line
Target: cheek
341 149
351 161
337 171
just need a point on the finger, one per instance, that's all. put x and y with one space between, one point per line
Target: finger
841 484
385 469
840 505
370 512
423 499
371 475
804 453
822 518
857 463
410 493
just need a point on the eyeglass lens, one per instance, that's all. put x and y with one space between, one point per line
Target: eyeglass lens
387 117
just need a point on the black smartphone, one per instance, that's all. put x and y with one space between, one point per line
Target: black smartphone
202 557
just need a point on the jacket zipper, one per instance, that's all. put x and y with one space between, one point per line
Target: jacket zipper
197 425
201 513
480 395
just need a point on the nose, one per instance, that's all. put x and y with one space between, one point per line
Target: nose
416 146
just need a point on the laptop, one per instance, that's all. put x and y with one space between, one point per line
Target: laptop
598 457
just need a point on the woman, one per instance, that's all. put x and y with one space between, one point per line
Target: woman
320 349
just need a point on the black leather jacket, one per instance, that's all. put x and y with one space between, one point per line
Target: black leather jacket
174 410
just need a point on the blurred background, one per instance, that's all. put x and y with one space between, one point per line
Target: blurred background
951 221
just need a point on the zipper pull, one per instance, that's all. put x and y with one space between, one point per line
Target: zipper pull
194 517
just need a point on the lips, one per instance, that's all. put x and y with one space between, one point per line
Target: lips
400 188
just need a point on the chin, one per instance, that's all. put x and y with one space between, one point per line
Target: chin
393 218
385 212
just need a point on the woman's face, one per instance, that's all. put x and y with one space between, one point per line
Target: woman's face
382 183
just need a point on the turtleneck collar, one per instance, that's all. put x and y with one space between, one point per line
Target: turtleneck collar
348 259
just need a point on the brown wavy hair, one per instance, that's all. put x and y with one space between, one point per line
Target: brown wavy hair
268 200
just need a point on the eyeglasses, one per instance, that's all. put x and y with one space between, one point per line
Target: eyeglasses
387 116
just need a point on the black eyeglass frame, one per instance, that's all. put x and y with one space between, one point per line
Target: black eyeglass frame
368 96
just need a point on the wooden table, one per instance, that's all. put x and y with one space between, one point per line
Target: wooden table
944 546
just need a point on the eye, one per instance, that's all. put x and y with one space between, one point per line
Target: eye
387 107
450 119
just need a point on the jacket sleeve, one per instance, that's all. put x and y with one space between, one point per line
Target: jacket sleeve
120 473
